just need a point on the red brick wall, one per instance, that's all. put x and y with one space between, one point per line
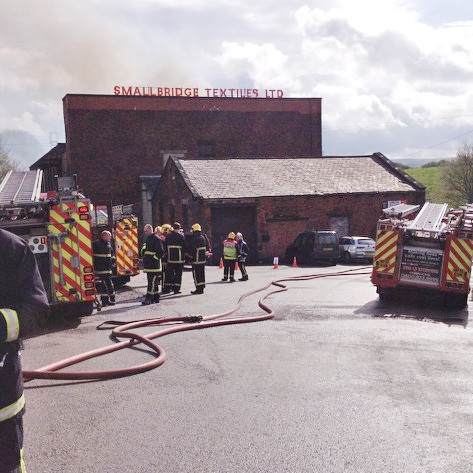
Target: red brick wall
288 214
112 140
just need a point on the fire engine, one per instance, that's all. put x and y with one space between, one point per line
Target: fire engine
56 226
124 228
428 249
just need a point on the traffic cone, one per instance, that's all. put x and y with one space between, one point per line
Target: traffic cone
294 262
237 268
276 262
221 264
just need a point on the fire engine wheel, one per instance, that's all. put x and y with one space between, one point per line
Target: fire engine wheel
456 301
388 294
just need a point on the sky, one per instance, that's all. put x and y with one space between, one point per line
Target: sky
394 76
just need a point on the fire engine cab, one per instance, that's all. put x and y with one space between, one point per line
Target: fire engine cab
428 248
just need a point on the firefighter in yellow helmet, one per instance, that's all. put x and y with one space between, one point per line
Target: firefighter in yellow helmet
174 252
198 250
230 255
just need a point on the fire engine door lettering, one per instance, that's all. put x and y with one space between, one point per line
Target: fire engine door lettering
460 273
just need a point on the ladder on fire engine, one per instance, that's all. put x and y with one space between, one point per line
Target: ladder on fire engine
429 219
20 188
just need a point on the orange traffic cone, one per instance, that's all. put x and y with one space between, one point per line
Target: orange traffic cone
237 268
294 262
221 264
276 262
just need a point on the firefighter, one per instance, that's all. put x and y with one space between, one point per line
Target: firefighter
198 250
103 262
230 255
153 252
22 298
242 255
174 250
166 228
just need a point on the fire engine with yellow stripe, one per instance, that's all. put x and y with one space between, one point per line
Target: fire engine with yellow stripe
424 250
123 224
58 226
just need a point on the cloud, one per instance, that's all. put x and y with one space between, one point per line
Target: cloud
391 73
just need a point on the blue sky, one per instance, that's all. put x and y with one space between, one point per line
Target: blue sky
394 76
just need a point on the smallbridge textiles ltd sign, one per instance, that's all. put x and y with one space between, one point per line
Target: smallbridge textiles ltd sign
151 91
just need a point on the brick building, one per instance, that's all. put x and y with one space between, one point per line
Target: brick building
119 145
271 200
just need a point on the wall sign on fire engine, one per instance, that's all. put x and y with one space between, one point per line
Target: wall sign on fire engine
422 265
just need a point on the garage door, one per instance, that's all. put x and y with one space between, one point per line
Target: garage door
234 219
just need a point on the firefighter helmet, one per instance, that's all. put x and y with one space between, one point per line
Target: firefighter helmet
231 235
166 228
196 227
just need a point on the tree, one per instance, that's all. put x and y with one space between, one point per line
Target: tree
457 176
7 163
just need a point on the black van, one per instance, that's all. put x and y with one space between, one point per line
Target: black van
314 246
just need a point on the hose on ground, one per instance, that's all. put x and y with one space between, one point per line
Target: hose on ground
125 330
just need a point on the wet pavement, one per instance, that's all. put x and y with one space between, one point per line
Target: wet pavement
337 381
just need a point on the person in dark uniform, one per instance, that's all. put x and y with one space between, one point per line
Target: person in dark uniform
103 263
242 255
22 298
174 250
152 254
198 251
166 228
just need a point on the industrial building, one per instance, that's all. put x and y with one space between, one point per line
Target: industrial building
253 165
118 145
271 200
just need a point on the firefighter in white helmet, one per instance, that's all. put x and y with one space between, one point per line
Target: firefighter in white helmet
103 264
152 253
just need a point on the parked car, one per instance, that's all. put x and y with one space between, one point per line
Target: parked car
356 248
314 246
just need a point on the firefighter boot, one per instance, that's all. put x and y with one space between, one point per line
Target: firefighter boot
147 301
155 298
111 300
104 301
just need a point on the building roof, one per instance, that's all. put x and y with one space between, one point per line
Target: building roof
53 156
235 178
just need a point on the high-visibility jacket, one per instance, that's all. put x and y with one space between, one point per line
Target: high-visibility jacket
152 253
230 250
174 244
103 256
22 297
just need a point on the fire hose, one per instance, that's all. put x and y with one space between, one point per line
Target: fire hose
169 325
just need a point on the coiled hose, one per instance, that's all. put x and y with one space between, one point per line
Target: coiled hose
170 325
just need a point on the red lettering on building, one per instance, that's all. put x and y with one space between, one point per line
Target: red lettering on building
152 91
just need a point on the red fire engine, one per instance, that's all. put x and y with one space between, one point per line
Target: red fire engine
57 228
428 248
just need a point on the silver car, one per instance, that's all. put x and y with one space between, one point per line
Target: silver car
356 248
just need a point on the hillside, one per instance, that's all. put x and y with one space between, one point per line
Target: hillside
430 177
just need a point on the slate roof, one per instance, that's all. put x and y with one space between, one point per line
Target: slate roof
235 178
